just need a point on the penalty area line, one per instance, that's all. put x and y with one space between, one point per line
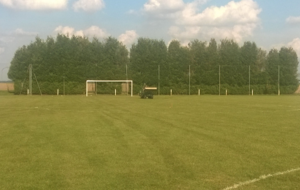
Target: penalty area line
235 186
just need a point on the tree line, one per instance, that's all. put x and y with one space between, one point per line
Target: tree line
67 62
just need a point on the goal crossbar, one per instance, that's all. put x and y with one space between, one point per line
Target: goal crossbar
89 81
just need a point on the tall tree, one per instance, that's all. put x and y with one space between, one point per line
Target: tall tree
199 63
211 77
273 62
74 59
145 57
248 58
258 71
115 59
212 55
179 61
288 66
229 53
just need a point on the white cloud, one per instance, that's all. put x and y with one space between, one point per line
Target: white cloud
21 32
93 31
243 12
35 4
163 6
1 50
88 5
128 38
79 33
68 31
6 38
236 20
293 20
295 44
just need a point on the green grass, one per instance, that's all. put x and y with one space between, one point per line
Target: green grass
178 142
6 93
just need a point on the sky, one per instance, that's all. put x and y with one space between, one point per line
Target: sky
268 23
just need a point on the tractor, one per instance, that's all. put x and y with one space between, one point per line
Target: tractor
147 92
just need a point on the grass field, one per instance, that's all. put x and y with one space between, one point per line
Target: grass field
178 142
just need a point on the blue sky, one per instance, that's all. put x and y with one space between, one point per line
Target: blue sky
271 24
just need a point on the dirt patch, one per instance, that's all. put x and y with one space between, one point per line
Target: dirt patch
5 86
298 91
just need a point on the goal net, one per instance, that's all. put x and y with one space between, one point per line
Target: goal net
94 87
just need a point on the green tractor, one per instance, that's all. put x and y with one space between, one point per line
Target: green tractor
147 92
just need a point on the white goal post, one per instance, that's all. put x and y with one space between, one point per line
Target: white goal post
94 81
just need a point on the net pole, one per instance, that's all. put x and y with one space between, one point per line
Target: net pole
189 79
38 84
158 90
22 85
219 81
64 84
30 79
126 82
97 77
249 80
278 80
131 88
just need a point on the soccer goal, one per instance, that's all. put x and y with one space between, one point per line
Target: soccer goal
108 81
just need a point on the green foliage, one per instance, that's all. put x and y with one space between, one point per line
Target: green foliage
273 64
178 61
145 58
68 62
288 66
73 60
